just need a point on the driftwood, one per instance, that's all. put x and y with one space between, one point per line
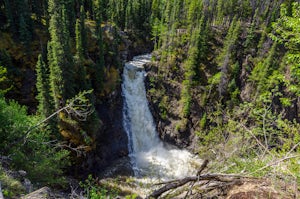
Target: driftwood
223 178
207 182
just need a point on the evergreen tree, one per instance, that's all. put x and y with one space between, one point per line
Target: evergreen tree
9 15
79 44
24 31
43 88
99 67
81 53
129 19
286 32
220 12
226 56
70 15
25 25
81 38
60 62
117 12
196 54
155 10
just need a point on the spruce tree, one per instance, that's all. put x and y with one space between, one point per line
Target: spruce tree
24 31
81 39
81 43
60 62
9 15
129 15
43 88
25 27
99 67
117 12
226 57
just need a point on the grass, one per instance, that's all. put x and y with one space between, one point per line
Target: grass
10 186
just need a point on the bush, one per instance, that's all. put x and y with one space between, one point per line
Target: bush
31 151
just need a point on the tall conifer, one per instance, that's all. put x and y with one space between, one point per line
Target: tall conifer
60 62
43 88
99 67
81 54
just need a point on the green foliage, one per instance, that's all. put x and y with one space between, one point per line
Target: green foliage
117 12
218 52
227 60
10 186
59 54
133 196
94 190
203 121
98 77
196 53
263 71
287 33
163 106
4 88
81 52
24 31
33 152
45 106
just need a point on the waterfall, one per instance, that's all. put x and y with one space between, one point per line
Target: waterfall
149 156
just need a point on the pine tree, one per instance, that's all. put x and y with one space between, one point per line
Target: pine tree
43 88
197 49
9 15
80 74
117 12
69 6
23 31
194 11
81 53
220 12
81 39
25 27
99 67
129 19
225 58
155 10
68 64
60 61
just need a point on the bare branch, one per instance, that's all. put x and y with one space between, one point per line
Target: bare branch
78 106
274 163
220 178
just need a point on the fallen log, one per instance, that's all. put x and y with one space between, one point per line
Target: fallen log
206 177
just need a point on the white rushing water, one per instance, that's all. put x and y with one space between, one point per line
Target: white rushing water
149 156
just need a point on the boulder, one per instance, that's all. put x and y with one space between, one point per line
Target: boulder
43 193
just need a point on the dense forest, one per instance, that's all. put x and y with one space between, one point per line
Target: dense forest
224 83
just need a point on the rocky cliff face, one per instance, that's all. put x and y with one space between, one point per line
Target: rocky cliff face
163 92
112 142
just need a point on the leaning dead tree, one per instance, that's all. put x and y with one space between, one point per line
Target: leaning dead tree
78 107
